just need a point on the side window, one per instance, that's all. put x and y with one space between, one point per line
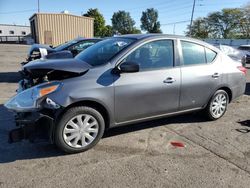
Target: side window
81 45
210 55
153 55
193 54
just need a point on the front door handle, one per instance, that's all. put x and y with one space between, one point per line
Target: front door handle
216 75
169 80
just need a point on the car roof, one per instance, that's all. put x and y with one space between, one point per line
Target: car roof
82 38
151 35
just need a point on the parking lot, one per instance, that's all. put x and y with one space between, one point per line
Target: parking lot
216 153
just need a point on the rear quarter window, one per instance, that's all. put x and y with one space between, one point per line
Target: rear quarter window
210 55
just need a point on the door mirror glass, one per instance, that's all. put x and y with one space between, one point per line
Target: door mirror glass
129 67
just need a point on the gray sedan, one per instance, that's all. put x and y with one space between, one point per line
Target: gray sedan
119 81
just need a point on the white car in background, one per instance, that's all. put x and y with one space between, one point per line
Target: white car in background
236 54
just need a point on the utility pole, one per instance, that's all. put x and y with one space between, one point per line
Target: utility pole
192 16
38 6
174 29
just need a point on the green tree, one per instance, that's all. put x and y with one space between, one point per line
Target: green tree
149 21
99 21
108 31
200 29
244 22
136 31
228 23
123 23
225 23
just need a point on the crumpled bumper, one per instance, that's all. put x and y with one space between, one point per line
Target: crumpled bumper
32 126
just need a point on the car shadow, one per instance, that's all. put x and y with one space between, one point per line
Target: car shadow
43 149
9 77
246 125
186 118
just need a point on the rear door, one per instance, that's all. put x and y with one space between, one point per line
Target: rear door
152 91
201 75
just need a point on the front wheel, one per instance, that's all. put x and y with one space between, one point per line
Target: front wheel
217 105
79 129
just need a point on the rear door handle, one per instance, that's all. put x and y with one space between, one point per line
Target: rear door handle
216 75
169 80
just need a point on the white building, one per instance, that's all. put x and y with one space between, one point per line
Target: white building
14 30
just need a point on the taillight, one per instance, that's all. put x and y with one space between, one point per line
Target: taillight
242 69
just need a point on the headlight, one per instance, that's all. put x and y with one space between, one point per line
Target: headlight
47 89
26 101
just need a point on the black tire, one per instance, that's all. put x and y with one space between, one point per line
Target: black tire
66 117
208 111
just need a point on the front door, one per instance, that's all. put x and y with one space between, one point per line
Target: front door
152 91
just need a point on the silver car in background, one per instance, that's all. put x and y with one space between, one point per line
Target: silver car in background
124 80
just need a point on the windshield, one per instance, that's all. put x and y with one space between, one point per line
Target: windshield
65 45
103 51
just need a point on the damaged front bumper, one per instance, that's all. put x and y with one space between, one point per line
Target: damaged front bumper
32 126
35 112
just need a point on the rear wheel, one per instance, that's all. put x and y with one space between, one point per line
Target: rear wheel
79 129
217 105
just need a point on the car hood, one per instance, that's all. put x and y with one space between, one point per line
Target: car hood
42 67
35 47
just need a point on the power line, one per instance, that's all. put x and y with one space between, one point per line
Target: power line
173 23
155 5
160 10
162 4
20 11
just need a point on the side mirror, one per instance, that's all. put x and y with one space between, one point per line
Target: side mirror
129 67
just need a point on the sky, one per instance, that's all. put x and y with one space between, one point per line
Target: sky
174 15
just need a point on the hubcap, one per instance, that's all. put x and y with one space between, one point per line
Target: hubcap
218 106
80 131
